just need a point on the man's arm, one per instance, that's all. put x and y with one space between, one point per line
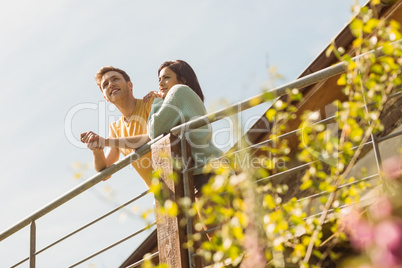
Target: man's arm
133 142
94 141
97 143
101 161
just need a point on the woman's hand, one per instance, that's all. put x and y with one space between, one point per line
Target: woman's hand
151 95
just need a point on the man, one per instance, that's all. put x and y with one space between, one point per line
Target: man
126 134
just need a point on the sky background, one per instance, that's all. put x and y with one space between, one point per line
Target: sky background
50 51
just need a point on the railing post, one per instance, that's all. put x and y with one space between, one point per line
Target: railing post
377 153
171 231
32 247
188 184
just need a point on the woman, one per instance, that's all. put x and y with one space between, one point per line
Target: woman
180 99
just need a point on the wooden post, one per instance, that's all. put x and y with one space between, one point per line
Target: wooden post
171 232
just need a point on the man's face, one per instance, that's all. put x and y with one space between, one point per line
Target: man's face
114 87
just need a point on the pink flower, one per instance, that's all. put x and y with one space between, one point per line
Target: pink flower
388 234
392 168
381 209
358 229
363 235
388 244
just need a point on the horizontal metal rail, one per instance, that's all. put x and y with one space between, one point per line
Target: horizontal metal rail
390 136
115 244
371 177
323 121
291 170
329 211
138 263
264 143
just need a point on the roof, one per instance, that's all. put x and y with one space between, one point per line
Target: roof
150 245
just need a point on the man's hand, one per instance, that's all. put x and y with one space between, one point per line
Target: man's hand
93 140
152 94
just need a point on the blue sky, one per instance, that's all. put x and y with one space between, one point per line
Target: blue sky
50 51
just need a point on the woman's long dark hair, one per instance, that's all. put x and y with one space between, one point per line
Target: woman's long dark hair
185 74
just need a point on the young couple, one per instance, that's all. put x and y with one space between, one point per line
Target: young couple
178 100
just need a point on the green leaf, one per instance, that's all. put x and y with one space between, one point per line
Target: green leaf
356 134
342 80
387 48
255 101
271 114
377 69
370 25
329 50
356 27
269 201
307 184
357 42
300 250
317 253
171 208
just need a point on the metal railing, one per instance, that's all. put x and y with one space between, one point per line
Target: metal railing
34 253
193 124
31 219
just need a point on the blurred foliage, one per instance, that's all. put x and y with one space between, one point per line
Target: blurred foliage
257 225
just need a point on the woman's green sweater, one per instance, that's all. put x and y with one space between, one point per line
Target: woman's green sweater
181 105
